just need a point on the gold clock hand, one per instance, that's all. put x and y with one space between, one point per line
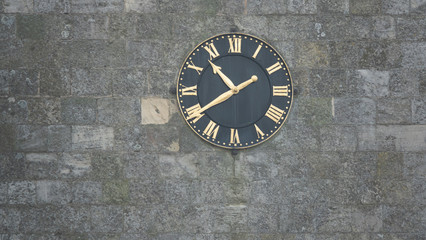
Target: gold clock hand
225 79
225 96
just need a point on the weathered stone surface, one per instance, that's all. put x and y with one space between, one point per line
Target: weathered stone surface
338 138
107 219
297 27
92 138
59 138
75 165
7 138
12 166
389 165
333 218
354 110
91 82
78 110
302 6
131 83
116 191
55 82
180 166
367 219
315 111
402 218
141 6
395 7
365 6
401 138
87 192
30 26
41 165
44 111
393 111
18 6
271 7
414 165
404 83
384 27
114 111
411 28
23 192
102 6
53 192
20 82
106 165
31 138
412 55
263 218
312 55
7 26
156 110
418 107
146 192
333 6
48 6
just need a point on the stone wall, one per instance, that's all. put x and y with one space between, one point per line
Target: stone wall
92 145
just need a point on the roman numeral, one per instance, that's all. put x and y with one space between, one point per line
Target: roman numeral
198 69
274 113
258 131
211 49
274 68
211 129
257 51
193 112
187 91
280 91
234 45
234 136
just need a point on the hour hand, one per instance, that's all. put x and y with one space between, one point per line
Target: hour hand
225 79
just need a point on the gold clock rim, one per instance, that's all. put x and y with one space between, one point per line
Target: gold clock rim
224 146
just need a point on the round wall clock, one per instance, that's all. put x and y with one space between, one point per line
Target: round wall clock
234 90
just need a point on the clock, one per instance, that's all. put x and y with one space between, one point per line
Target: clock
234 90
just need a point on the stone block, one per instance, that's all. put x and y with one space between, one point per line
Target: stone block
44 110
23 192
393 111
390 165
296 219
178 166
30 27
404 83
101 6
413 56
395 7
107 219
332 218
414 165
418 107
263 219
359 27
53 192
79 110
254 166
422 84
291 28
83 54
55 82
218 165
141 6
147 192
3 193
369 83
312 54
417 7
152 26
160 82
49 6
333 6
180 192
295 137
75 165
324 83
270 7
209 192
332 192
59 138
338 138
13 111
378 55
286 50
354 110
4 83
132 83
12 166
92 82
412 28
257 25
115 191
156 110
87 192
263 192
31 138
21 82
41 165
237 191
141 166
314 111
145 53
18 6
106 165
302 6
139 220
7 26
403 218
401 138
365 7
119 111
384 27
367 218
396 192
336 27
92 138
7 138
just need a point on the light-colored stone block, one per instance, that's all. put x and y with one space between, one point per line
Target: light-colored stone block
156 110
18 6
92 137
140 6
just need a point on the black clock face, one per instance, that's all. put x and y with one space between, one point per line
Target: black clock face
234 90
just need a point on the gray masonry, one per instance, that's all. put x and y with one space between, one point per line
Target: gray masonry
92 145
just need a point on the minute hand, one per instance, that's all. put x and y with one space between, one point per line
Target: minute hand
226 95
225 79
